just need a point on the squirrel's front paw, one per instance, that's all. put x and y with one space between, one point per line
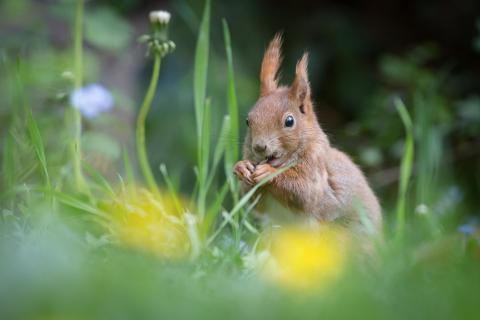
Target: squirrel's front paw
262 171
243 170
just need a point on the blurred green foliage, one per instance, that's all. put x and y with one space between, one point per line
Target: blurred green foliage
51 271
99 26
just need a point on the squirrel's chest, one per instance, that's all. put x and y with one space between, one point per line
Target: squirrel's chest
274 211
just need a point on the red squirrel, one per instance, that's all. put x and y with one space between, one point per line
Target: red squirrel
283 130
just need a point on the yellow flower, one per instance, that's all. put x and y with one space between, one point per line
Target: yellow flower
305 257
155 224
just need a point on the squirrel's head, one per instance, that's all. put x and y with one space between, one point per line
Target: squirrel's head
283 119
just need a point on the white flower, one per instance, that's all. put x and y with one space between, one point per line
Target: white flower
91 100
421 209
160 17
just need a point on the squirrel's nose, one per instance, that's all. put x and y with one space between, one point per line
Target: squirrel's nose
259 147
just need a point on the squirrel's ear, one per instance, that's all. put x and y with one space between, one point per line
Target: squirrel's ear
270 65
300 89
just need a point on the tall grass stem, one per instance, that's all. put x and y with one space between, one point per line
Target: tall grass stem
75 121
405 167
202 109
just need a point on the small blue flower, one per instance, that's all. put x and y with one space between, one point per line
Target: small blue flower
467 229
92 100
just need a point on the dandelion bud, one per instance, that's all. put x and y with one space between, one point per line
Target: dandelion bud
157 41
162 17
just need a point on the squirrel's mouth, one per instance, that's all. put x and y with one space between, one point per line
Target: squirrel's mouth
274 161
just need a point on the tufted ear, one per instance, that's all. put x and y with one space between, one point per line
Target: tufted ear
300 89
270 65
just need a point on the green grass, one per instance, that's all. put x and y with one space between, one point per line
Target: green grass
59 258
405 167
202 107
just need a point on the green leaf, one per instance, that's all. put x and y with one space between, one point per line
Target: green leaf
127 163
232 147
78 204
214 209
99 179
219 149
201 104
243 201
171 188
204 153
405 167
37 144
205 149
9 164
201 66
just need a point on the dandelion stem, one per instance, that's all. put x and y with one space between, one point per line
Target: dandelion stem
140 132
76 119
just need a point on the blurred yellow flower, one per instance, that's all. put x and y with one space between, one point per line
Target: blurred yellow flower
303 257
152 223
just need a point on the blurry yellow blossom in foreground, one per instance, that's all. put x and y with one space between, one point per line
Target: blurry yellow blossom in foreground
156 224
305 257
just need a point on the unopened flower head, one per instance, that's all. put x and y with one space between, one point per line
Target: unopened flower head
160 16
91 100
157 40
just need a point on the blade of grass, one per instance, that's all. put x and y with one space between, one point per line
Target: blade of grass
8 164
99 179
214 209
429 145
231 154
405 167
243 201
206 129
37 144
219 150
73 117
204 159
249 227
201 105
201 67
128 167
9 170
171 188
186 12
78 204
241 220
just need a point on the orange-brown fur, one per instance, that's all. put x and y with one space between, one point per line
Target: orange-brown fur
322 181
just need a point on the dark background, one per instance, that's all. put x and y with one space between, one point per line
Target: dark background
362 54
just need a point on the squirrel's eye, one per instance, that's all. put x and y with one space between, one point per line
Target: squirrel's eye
247 122
289 121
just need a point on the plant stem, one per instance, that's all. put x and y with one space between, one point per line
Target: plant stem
76 119
140 132
78 44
